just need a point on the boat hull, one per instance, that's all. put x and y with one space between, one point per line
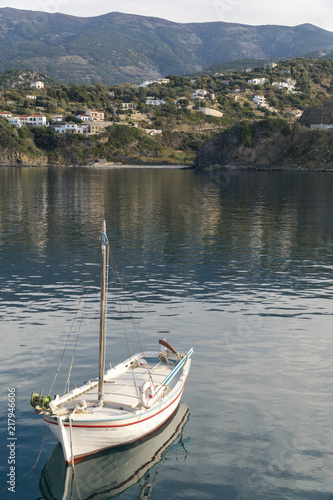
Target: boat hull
108 474
80 438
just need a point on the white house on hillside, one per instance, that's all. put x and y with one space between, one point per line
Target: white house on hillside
199 94
260 100
257 81
296 113
288 84
72 128
57 118
153 101
28 121
95 115
160 81
84 117
37 121
14 120
37 85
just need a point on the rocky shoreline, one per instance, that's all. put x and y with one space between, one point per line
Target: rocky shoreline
266 145
211 168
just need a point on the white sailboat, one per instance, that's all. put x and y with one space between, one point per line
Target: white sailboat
122 405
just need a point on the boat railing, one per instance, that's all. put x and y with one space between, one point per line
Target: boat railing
176 369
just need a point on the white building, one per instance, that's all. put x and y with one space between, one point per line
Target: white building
260 100
95 115
288 84
15 121
153 101
257 81
284 85
146 83
199 94
84 118
5 114
57 118
297 113
37 121
28 121
127 106
72 128
160 81
38 85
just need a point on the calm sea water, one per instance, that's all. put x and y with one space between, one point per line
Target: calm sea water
238 266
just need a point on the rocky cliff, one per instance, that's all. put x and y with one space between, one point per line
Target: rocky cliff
17 159
267 144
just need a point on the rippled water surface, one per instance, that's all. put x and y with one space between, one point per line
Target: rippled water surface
239 266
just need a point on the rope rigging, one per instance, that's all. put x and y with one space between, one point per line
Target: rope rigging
117 280
120 292
85 291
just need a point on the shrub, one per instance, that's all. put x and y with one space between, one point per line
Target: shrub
246 134
275 125
45 138
120 135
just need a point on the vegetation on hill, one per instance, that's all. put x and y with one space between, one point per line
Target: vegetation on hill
267 144
20 141
170 132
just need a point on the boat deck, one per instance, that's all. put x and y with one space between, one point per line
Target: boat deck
124 391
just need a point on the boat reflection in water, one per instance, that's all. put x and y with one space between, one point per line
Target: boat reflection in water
107 474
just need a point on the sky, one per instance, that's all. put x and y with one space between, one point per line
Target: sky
253 12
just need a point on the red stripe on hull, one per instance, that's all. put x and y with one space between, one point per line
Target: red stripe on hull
78 458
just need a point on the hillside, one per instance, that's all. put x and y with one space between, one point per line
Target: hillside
116 47
267 144
171 126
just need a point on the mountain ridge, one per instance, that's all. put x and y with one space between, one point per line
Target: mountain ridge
118 48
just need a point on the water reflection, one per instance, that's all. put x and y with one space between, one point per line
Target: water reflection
108 474
143 208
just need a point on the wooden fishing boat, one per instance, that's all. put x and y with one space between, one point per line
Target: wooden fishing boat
124 403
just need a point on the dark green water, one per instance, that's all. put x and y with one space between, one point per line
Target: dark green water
238 266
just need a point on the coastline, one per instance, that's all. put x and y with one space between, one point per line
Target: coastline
106 165
257 168
170 166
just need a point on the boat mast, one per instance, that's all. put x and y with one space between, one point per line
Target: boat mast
102 318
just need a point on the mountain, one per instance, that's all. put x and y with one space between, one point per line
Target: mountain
116 47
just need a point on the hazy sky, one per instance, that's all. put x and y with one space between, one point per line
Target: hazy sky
283 12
